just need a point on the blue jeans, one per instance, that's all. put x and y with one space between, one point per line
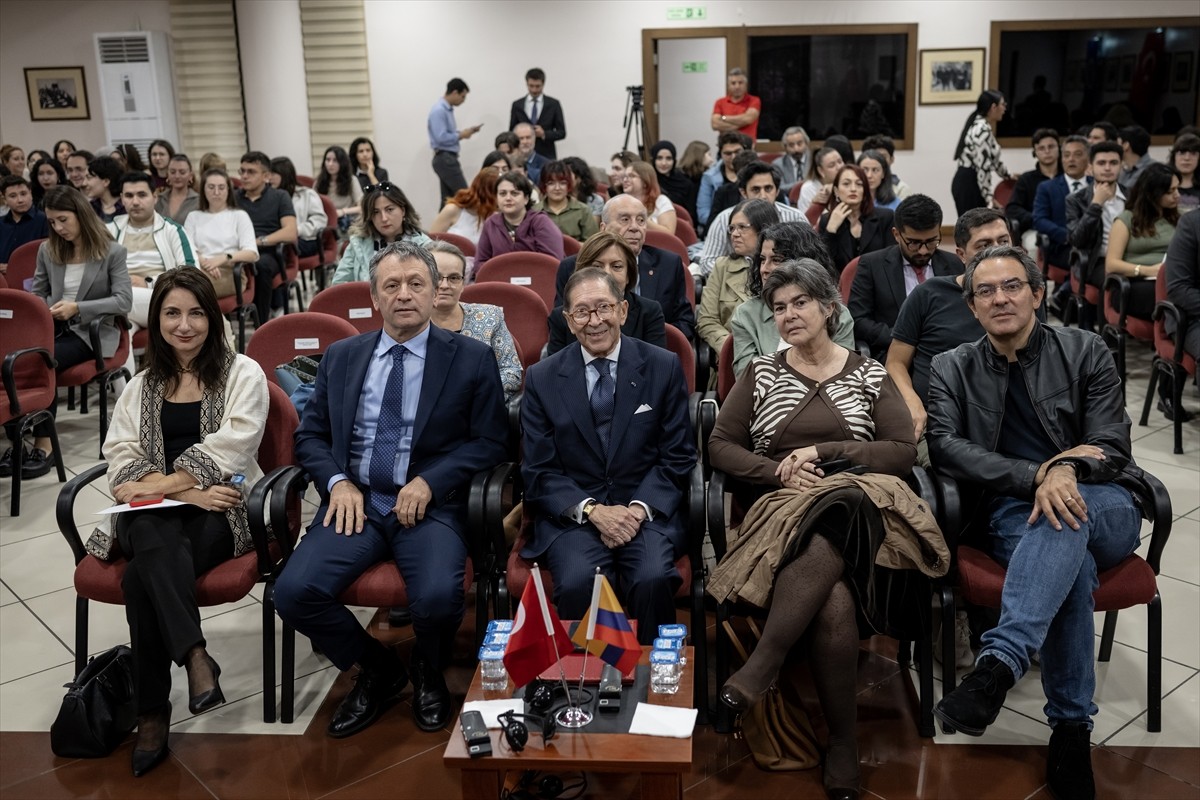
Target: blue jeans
1047 602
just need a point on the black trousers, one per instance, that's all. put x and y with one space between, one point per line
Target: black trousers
269 265
450 174
167 550
69 351
965 189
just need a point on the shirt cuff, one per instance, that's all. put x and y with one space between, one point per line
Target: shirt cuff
646 508
341 476
576 512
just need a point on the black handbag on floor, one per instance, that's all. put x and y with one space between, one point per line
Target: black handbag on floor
98 711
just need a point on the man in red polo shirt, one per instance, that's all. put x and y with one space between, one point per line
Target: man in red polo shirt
738 111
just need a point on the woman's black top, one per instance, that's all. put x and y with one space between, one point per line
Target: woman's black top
181 429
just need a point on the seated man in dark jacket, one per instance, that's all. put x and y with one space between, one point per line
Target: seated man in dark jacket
1036 415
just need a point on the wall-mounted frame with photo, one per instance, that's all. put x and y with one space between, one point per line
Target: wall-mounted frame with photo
951 76
56 93
1182 65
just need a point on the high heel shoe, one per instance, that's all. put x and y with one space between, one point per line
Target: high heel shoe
199 703
737 700
851 792
146 760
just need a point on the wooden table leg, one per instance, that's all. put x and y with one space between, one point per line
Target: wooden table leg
661 785
480 784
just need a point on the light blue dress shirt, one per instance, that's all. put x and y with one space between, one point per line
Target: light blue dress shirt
443 132
366 419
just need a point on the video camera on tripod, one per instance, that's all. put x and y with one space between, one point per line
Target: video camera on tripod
635 119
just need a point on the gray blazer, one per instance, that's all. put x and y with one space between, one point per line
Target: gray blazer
105 289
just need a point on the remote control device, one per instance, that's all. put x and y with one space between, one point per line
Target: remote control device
610 690
475 732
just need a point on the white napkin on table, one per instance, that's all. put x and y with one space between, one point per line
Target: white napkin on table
654 720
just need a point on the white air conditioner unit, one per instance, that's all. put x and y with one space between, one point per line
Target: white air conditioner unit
135 82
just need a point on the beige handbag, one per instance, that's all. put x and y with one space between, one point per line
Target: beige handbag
224 285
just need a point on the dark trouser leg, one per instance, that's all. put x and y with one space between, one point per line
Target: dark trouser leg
69 351
965 190
648 581
432 558
450 174
834 664
268 267
167 550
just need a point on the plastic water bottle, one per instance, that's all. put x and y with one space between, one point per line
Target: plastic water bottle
673 631
491 668
665 670
499 626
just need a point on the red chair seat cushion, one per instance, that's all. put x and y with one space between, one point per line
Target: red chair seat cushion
381 585
83 373
1138 328
32 399
225 583
1129 583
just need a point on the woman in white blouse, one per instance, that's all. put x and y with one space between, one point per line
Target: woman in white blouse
221 234
978 154
641 181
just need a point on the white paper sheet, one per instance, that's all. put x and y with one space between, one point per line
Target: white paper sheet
669 721
165 503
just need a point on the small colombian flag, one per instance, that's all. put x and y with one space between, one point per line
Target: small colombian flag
605 631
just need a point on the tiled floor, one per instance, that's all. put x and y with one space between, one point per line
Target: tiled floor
230 753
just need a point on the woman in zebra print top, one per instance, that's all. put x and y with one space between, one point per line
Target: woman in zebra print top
978 154
790 411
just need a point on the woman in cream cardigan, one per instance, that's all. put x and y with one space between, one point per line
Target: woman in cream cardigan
188 428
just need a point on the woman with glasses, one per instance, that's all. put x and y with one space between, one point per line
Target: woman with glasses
387 216
479 321
515 227
573 218
640 181
465 212
726 288
180 199
609 252
853 226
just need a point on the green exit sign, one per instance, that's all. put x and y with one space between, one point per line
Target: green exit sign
687 12
695 66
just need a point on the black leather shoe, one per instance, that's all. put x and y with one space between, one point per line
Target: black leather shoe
399 616
37 463
6 464
977 701
1069 764
146 760
1167 407
431 697
199 703
735 699
372 692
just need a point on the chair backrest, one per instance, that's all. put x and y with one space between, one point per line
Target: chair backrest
847 279
277 448
725 376
685 231
678 344
3 282
571 245
461 242
329 240
536 271
524 315
1004 191
669 242
682 213
304 333
22 263
25 322
351 302
306 180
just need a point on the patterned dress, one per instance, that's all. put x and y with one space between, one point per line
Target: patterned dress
485 323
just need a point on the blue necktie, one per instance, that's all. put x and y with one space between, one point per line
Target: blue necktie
533 115
603 401
387 437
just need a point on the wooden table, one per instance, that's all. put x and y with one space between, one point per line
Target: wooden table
660 761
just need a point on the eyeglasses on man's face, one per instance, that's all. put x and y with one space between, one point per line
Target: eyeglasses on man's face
583 316
916 245
1011 288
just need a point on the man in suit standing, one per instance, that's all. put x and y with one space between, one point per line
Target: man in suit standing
393 485
885 278
608 447
1090 215
544 113
660 273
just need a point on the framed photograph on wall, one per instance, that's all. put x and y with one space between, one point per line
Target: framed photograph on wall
951 76
1181 72
56 93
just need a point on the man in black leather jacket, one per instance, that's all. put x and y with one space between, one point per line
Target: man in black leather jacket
1035 414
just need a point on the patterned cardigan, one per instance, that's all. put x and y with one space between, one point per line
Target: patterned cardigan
485 323
231 427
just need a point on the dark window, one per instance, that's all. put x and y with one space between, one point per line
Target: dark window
848 84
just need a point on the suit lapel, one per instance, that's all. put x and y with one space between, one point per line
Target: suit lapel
90 272
439 360
572 386
356 374
630 388
895 276
648 277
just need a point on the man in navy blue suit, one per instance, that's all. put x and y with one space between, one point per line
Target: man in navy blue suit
1050 202
660 273
393 484
608 447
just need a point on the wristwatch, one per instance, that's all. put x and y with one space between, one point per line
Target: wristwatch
588 508
1074 463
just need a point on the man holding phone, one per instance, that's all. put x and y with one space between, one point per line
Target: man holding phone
444 137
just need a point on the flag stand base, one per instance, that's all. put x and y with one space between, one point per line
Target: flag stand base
573 717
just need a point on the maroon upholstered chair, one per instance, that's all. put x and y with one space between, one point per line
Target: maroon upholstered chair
459 241
685 231
227 582
678 344
1118 325
847 279
1004 191
303 334
571 246
3 282
1171 362
22 263
240 304
27 367
536 271
102 371
524 314
290 279
306 180
351 302
669 242
682 213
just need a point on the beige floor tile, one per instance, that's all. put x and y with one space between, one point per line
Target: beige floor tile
37 566
1181 558
36 648
38 500
31 703
1180 602
6 595
245 716
1180 722
106 623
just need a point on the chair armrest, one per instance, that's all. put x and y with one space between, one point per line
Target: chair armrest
714 502
513 406
1155 504
696 523
271 494
922 482
1117 289
237 283
478 542
94 335
707 421
494 512
1170 315
704 363
65 508
950 510
10 379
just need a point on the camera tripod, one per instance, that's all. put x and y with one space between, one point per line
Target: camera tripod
635 119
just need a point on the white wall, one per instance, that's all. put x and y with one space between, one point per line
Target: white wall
59 33
273 80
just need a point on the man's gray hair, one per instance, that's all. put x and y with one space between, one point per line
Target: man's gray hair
737 71
792 131
584 275
404 251
606 213
813 279
1032 273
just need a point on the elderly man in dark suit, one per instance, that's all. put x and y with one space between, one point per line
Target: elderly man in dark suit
541 111
660 273
885 278
608 447
393 483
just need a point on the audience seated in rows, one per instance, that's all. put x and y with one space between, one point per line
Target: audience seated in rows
853 226
727 286
572 217
386 217
516 227
758 180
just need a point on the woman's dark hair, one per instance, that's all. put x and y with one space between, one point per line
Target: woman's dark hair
209 364
494 157
520 183
70 147
559 170
345 173
354 151
843 146
585 184
366 228
811 277
1188 143
790 241
596 244
286 170
814 169
759 213
230 197
480 197
165 145
987 99
1151 185
108 170
867 205
886 193
35 156
94 238
35 185
133 159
